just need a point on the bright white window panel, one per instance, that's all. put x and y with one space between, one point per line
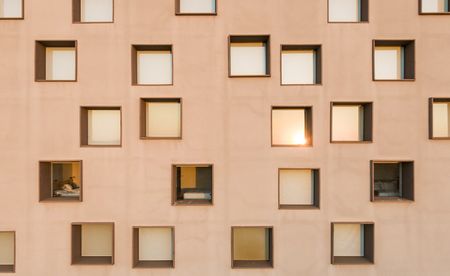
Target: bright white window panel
298 67
344 10
432 6
441 120
347 123
96 240
388 63
296 187
154 67
155 244
288 127
60 63
348 240
96 10
6 248
10 8
197 6
104 127
163 119
248 59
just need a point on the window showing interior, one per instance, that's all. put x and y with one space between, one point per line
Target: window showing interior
439 118
301 64
393 60
434 7
252 247
348 11
7 251
152 65
291 126
249 56
11 9
101 126
93 243
298 188
392 180
352 243
192 184
351 122
60 180
160 118
196 7
56 61
93 11
153 247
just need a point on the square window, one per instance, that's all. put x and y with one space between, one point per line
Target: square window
301 64
56 61
196 7
60 180
11 9
192 184
348 11
101 126
392 180
351 122
7 251
291 126
93 11
252 247
298 188
433 6
249 56
393 60
161 118
439 118
152 65
352 243
93 243
153 247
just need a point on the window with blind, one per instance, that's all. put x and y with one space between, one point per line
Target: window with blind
196 7
56 61
152 65
11 9
252 247
393 60
301 64
348 11
439 116
153 247
93 11
434 7
249 56
298 188
7 251
291 126
352 243
351 122
161 118
101 126
92 243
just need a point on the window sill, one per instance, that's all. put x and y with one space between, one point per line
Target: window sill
61 199
93 22
108 260
195 13
193 202
302 84
391 199
434 13
348 22
351 142
351 260
399 80
55 80
7 268
252 264
160 138
298 207
153 264
249 76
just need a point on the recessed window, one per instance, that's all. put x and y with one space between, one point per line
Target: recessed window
160 118
351 122
439 118
152 65
11 9
60 180
433 6
352 243
393 60
298 188
291 126
93 11
301 64
196 7
392 180
56 61
251 247
153 247
101 126
348 11
249 56
92 243
192 184
7 251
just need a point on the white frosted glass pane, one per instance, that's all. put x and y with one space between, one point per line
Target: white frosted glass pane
343 10
347 123
104 127
154 67
6 248
60 63
96 240
441 120
298 67
434 6
288 127
197 6
388 63
96 10
248 59
155 244
251 244
348 240
296 187
10 8
163 119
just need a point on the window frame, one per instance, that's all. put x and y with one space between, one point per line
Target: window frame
40 58
431 101
409 62
431 13
308 126
178 12
10 268
143 117
76 14
253 264
265 38
151 264
317 48
17 18
368 122
316 191
135 48
369 246
84 131
364 11
191 202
